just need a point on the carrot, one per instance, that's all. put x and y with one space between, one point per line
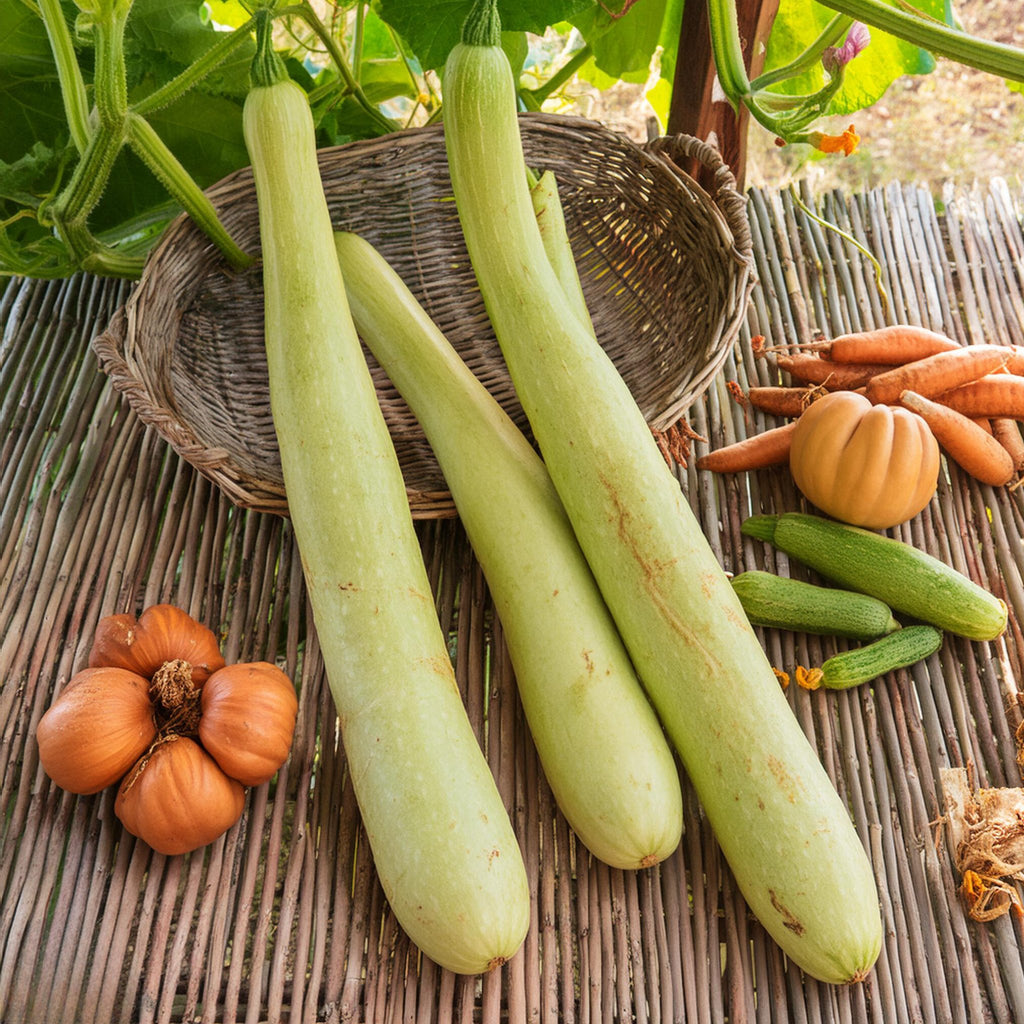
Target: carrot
782 401
769 448
896 344
936 374
969 445
996 396
1015 359
813 369
1007 433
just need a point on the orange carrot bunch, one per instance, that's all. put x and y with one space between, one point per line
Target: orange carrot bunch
971 396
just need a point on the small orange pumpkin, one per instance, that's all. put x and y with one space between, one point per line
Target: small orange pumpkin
177 799
248 720
869 465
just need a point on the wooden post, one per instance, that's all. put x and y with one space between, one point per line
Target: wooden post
693 110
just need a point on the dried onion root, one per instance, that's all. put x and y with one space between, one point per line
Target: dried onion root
986 834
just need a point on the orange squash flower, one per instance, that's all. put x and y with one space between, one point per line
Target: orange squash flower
846 143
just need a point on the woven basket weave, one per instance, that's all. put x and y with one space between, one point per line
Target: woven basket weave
666 269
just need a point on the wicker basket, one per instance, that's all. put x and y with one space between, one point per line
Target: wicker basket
666 269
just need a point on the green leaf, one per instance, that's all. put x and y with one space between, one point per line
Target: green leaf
19 179
204 133
516 48
24 46
163 37
623 46
339 123
383 80
230 13
432 27
867 76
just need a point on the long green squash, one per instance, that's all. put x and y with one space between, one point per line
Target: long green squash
604 754
442 842
780 822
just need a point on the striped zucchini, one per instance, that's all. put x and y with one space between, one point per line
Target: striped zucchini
785 603
909 580
897 650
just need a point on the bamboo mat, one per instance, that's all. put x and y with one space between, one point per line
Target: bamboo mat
283 918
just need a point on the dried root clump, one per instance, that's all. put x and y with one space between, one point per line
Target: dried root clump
674 442
986 834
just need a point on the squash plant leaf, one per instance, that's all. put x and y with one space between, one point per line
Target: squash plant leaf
867 76
626 46
432 27
623 45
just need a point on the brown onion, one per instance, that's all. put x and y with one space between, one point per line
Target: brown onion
248 720
96 729
162 633
177 799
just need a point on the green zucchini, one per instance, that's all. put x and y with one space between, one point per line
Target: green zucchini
897 650
785 603
442 842
909 580
603 751
785 832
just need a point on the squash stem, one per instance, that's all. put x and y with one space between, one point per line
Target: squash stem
267 67
829 36
348 77
72 84
1000 59
195 72
166 167
482 26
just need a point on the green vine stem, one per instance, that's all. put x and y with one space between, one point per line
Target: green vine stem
110 84
847 237
727 50
197 71
829 36
534 98
306 13
69 73
100 139
151 149
71 208
788 118
994 58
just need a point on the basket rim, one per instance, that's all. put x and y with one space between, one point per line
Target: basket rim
115 347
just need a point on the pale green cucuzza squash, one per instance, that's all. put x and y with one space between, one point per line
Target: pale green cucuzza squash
602 748
442 842
784 830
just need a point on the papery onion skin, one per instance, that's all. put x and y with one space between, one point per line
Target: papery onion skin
177 799
162 633
96 729
248 720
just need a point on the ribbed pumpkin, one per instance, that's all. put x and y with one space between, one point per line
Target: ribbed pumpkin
873 466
